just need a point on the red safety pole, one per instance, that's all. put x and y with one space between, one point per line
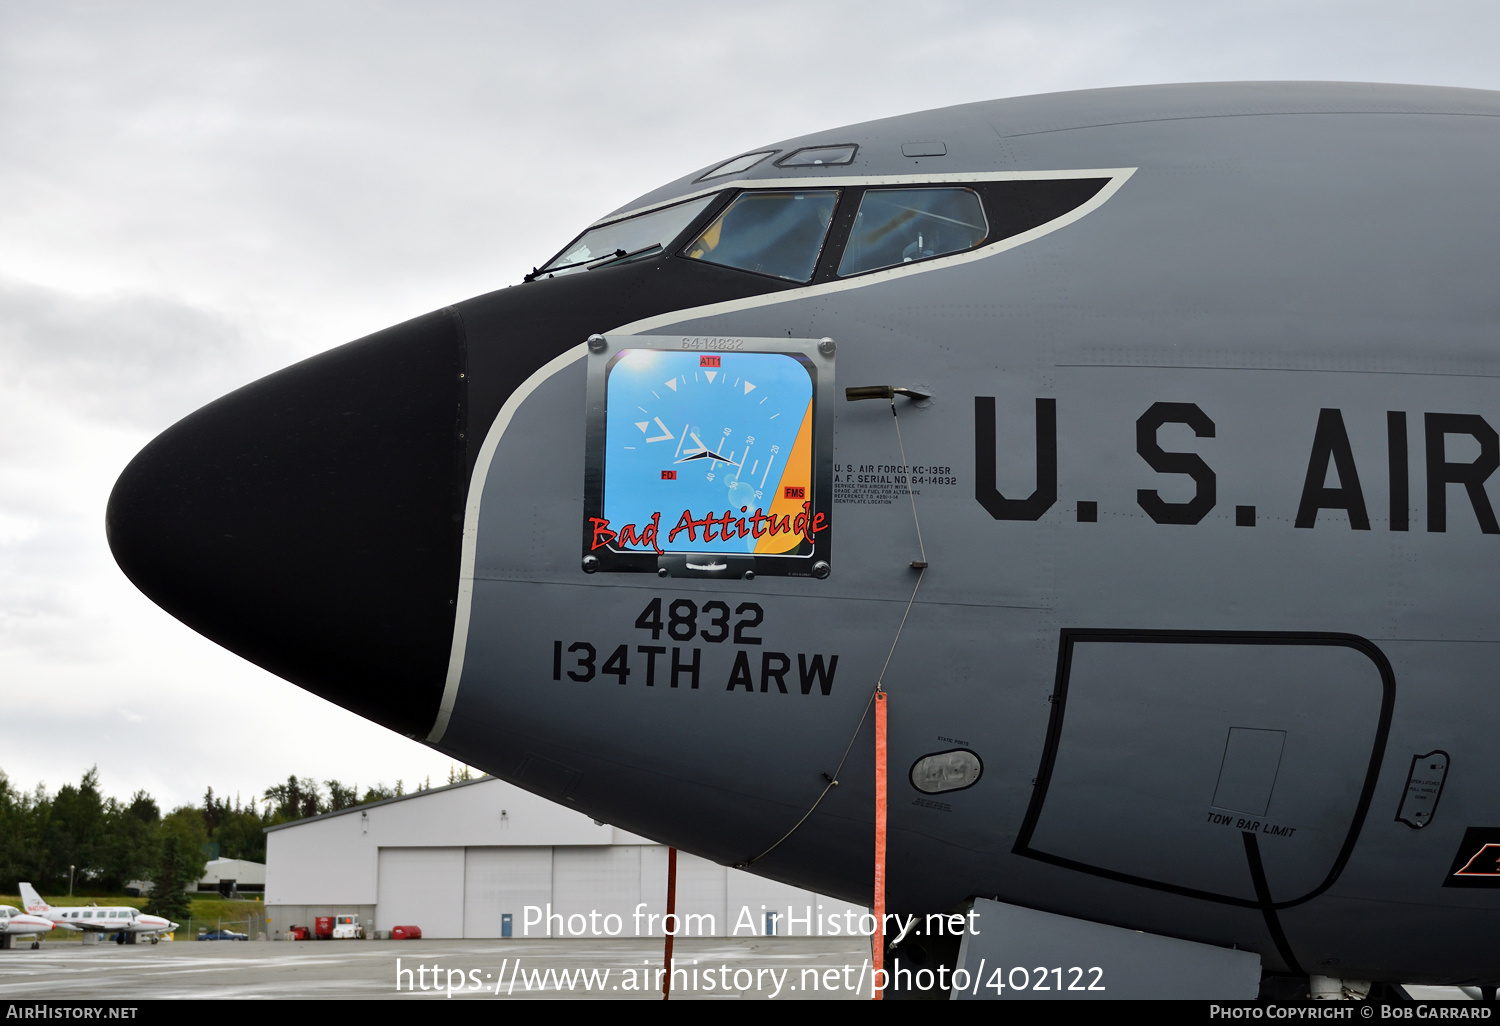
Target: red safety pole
879 938
666 985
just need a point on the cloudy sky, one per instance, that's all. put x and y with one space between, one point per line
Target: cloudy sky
193 195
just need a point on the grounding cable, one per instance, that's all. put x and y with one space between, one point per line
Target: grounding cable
921 568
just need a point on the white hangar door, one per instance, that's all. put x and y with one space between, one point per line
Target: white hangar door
603 878
501 882
421 887
701 889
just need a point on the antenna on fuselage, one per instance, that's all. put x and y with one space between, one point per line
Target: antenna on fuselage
884 392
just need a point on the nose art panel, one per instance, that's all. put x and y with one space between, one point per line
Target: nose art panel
311 521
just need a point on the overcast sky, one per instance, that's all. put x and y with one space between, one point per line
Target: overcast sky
193 195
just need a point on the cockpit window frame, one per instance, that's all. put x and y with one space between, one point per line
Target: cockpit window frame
849 232
1015 211
993 203
787 161
704 217
717 171
683 244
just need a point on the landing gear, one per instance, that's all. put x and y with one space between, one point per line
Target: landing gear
35 945
155 939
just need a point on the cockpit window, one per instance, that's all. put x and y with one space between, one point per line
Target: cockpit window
735 165
775 233
897 226
819 156
641 236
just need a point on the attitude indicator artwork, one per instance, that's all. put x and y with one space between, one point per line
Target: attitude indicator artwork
708 456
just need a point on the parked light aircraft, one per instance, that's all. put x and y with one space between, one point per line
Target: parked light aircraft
15 923
1177 559
129 923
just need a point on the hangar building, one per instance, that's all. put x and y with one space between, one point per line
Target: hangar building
229 876
483 858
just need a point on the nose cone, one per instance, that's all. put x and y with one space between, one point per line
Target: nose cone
312 521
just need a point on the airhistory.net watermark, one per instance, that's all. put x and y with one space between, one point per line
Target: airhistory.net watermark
542 921
522 977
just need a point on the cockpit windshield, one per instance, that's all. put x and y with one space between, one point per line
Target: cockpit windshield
897 226
640 236
775 233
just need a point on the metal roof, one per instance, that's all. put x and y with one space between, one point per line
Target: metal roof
384 801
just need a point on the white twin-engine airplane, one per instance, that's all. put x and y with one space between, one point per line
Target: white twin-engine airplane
129 922
15 923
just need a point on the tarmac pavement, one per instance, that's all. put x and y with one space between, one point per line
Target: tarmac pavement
706 968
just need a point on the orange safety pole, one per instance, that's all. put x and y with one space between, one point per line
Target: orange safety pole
666 985
879 938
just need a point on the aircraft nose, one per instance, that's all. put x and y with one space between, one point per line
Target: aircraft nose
311 521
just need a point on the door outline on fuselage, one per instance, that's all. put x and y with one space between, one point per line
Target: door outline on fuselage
1069 637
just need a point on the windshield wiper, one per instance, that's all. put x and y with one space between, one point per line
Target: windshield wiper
535 273
593 263
619 255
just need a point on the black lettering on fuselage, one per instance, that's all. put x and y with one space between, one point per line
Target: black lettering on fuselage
814 671
1330 440
1395 431
679 667
774 666
1040 500
1191 464
1441 473
740 675
651 652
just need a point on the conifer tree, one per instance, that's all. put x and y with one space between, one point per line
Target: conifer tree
169 889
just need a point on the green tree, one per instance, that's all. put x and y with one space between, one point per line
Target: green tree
23 822
213 810
75 832
133 846
186 824
174 871
241 835
378 793
341 797
296 799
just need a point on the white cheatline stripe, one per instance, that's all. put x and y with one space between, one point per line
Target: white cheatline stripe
1117 177
471 530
